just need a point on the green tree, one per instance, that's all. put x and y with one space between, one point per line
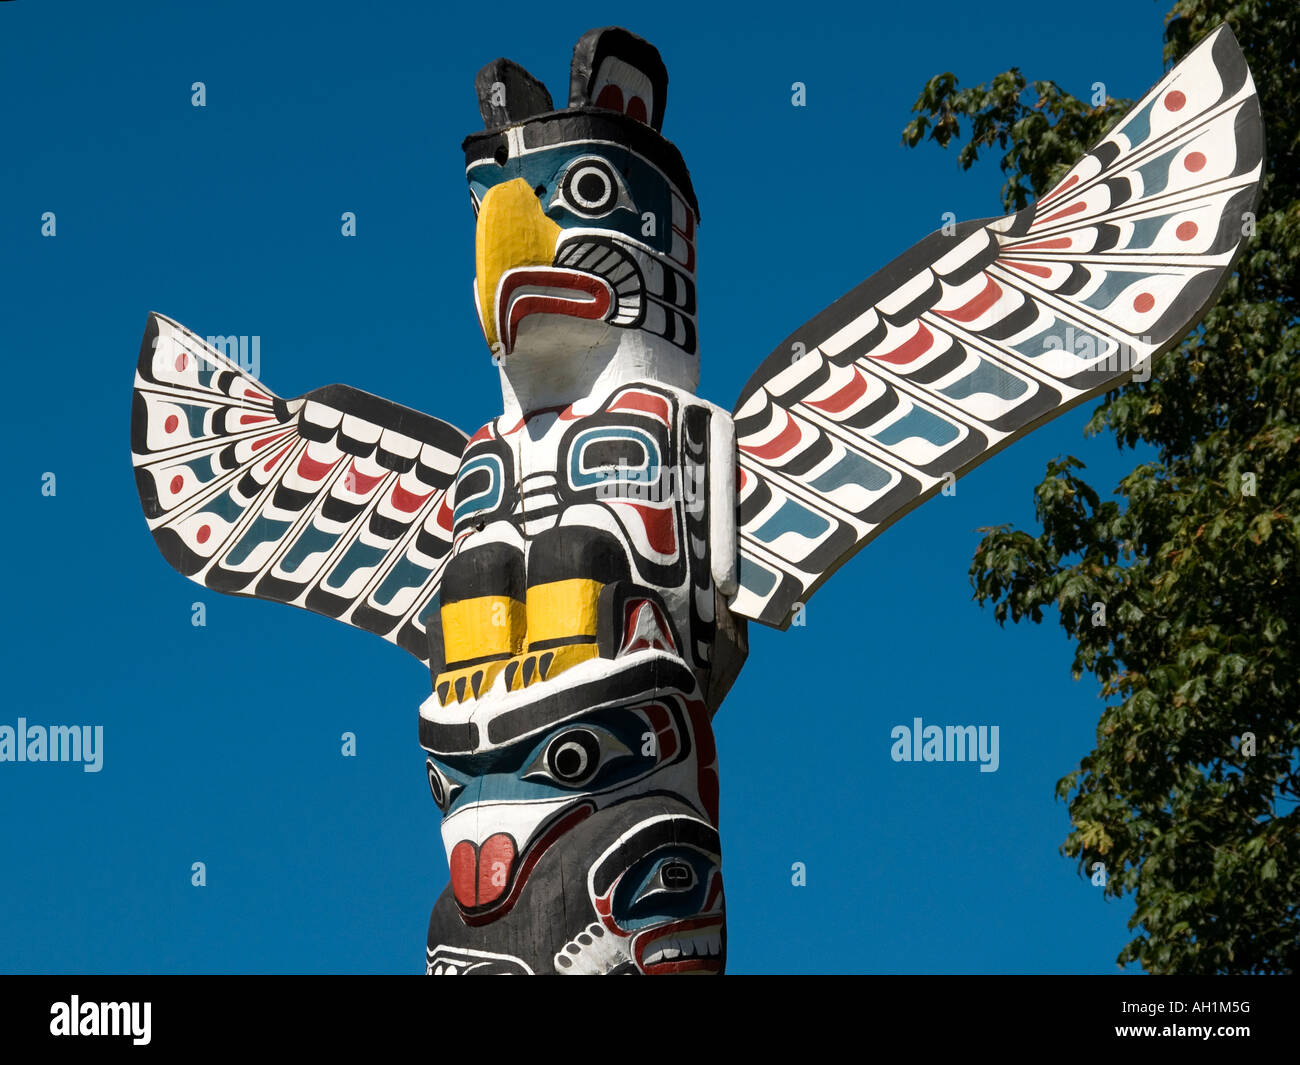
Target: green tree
1197 561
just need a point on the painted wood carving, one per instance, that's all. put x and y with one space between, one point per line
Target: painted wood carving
579 572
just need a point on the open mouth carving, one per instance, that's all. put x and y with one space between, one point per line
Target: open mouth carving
597 279
690 946
616 265
650 293
548 290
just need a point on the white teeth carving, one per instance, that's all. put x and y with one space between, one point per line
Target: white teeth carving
702 945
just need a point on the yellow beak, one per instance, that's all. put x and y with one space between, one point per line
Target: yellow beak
512 231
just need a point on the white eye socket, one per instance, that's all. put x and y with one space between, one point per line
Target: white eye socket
442 789
590 187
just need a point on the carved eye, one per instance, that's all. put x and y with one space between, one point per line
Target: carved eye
441 787
590 187
575 757
612 454
676 876
673 877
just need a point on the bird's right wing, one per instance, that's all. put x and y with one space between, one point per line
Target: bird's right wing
972 339
334 501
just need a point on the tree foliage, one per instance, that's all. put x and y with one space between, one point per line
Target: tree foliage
1196 564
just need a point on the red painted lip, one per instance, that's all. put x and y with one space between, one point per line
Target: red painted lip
645 942
591 297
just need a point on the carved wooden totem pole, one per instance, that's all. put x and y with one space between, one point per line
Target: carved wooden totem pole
579 572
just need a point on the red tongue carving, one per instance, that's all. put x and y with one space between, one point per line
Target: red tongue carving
591 298
480 875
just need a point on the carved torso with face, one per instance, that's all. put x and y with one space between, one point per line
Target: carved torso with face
579 629
580 533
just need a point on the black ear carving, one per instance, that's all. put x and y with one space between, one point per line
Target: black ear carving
617 70
507 94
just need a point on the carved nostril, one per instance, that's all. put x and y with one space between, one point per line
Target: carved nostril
501 155
540 190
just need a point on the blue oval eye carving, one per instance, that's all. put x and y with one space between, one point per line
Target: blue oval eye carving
478 487
673 882
613 455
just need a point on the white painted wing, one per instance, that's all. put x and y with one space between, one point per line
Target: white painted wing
968 341
333 502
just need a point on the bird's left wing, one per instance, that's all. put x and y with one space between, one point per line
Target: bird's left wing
334 501
970 340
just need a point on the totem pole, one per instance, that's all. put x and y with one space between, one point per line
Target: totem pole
579 573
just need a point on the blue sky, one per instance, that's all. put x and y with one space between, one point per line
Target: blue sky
221 743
